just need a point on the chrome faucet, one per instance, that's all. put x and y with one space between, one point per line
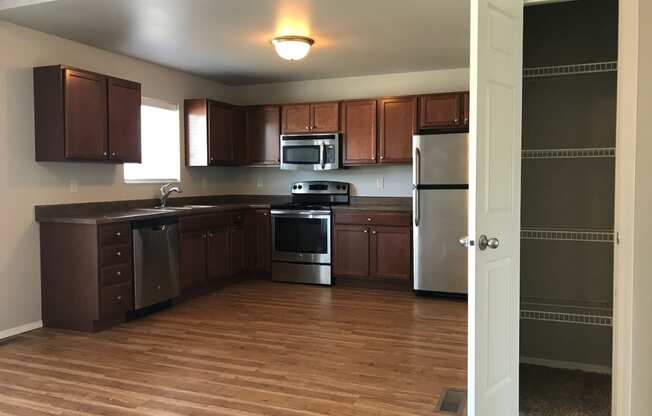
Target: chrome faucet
166 191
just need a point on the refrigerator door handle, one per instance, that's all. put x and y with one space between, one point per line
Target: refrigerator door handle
417 166
417 213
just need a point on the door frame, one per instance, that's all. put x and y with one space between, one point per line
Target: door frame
625 205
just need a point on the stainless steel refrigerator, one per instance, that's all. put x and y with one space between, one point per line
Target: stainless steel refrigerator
440 199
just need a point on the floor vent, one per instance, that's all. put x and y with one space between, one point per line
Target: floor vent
452 401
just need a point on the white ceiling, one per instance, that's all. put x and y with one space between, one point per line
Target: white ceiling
228 40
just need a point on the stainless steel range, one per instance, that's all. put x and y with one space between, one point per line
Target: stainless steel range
301 232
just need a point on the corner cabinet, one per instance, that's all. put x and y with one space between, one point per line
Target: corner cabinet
310 118
84 116
372 245
213 133
263 124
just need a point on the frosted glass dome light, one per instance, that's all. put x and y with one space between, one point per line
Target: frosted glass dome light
292 48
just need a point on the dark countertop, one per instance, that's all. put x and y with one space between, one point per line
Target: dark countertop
136 210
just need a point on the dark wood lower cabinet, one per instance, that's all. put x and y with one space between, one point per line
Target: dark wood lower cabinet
351 251
259 241
218 253
372 246
86 275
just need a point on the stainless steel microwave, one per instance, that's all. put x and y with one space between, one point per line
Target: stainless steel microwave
310 151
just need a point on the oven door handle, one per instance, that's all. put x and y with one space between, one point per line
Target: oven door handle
300 214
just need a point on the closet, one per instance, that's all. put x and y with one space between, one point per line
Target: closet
568 182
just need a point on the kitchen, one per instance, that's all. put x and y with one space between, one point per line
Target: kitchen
267 207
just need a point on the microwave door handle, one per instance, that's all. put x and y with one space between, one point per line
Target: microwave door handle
322 152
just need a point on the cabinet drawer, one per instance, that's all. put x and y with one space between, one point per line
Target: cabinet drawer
115 234
115 275
116 300
202 222
110 256
374 218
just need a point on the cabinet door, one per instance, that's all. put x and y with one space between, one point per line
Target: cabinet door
390 252
263 241
324 117
239 136
351 251
124 121
296 118
218 255
85 116
220 134
398 122
237 249
359 132
263 135
192 259
442 111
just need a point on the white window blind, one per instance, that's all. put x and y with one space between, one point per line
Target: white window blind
159 143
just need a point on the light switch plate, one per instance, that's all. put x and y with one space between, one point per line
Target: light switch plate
74 186
259 183
380 182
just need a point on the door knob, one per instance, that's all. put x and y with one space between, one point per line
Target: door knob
485 242
466 242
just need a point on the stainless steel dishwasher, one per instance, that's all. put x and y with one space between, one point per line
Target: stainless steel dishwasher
156 261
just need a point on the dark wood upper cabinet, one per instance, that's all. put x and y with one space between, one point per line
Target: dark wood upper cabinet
325 117
124 120
215 133
398 123
263 129
220 134
310 118
296 118
441 111
84 116
359 132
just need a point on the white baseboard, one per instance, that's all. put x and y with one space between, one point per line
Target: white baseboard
17 330
567 365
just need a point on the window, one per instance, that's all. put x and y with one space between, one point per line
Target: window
159 143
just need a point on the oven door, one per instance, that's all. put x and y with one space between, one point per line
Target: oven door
301 236
301 153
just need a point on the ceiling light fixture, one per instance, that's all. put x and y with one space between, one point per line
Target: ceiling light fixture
292 48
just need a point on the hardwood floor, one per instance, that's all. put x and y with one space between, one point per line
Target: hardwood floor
255 348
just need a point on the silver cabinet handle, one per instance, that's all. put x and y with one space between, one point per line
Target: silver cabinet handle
373 232
118 273
484 242
119 297
366 231
118 253
369 219
118 234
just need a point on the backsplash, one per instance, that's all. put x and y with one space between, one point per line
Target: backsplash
365 181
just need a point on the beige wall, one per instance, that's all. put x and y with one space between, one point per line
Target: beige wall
25 183
633 268
397 179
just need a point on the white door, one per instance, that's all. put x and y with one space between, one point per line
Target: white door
494 201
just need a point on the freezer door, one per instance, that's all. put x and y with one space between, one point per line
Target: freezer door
441 159
440 262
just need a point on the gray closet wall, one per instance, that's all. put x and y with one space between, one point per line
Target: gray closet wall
568 171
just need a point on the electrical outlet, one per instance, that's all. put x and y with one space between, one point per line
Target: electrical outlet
259 183
380 182
74 186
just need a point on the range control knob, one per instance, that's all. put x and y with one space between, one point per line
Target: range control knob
294 187
300 186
